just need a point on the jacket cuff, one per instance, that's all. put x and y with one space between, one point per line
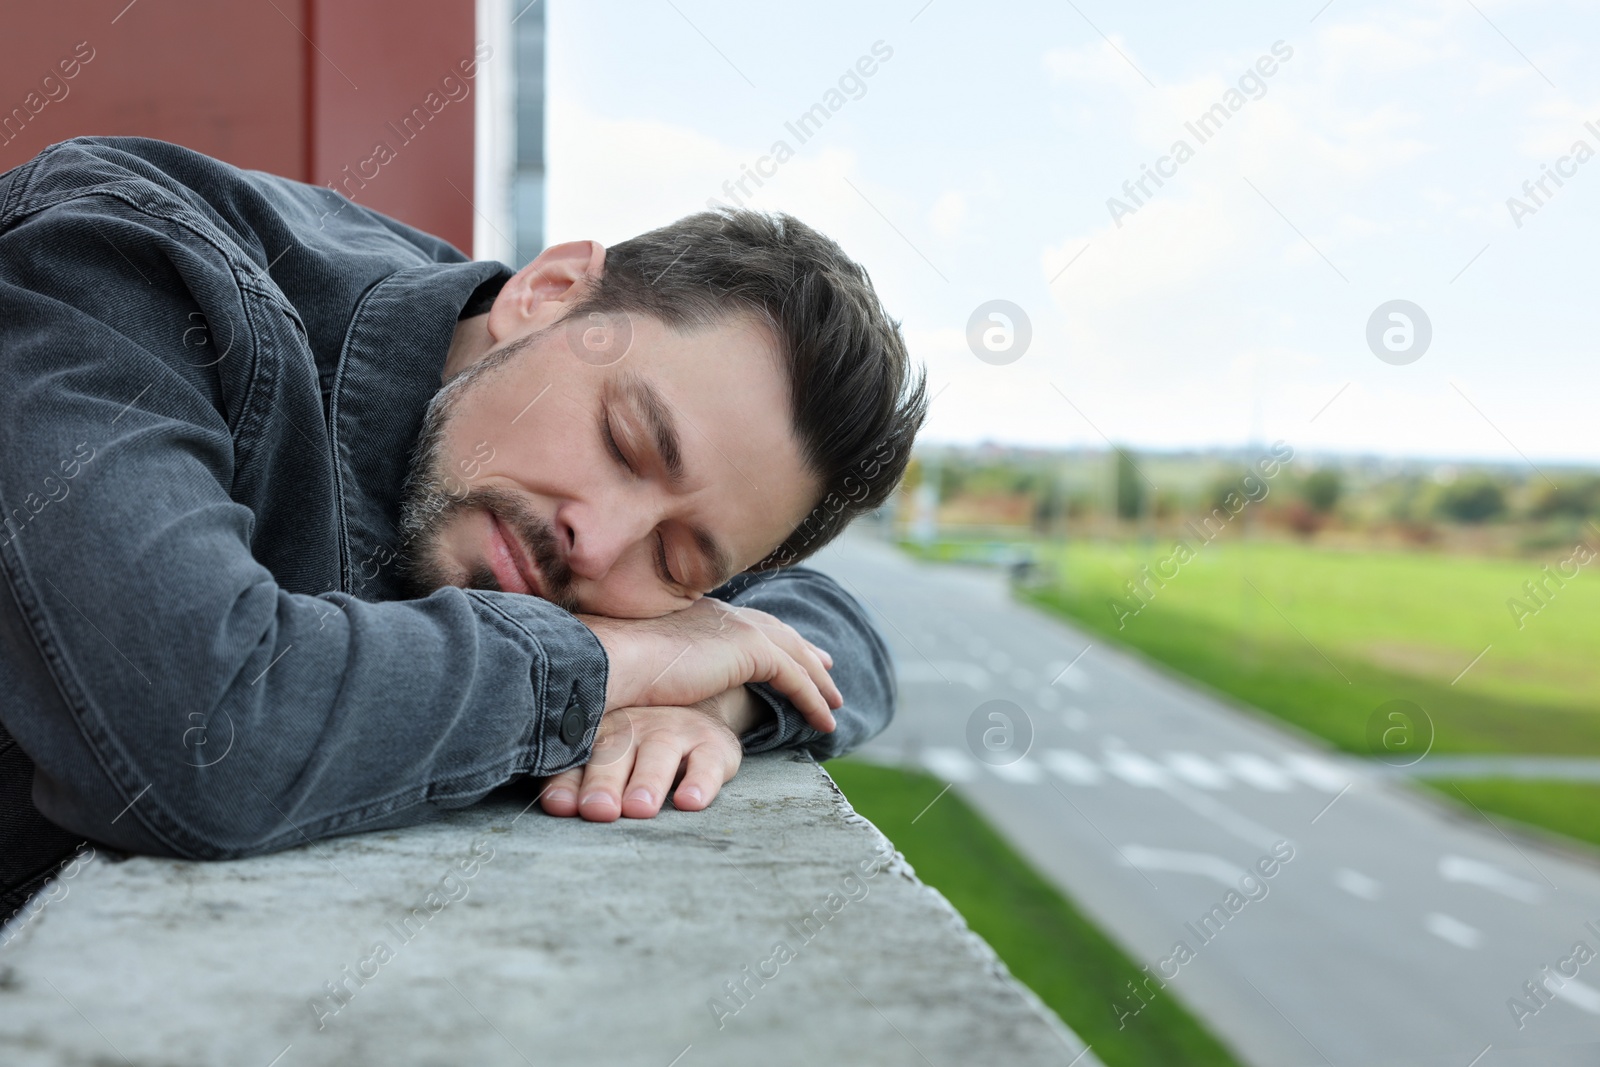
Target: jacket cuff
786 729
568 674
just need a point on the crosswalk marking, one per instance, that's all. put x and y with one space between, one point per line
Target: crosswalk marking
950 764
1256 771
1135 769
1076 680
1022 771
1075 767
1197 771
942 672
1317 773
1175 770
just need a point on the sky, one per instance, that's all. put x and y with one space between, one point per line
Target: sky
1226 307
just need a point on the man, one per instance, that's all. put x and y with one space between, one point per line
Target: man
308 525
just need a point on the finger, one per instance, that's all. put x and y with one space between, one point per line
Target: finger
610 764
559 795
820 674
709 766
787 676
654 768
805 653
809 656
824 655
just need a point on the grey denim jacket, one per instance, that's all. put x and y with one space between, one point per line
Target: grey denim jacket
210 384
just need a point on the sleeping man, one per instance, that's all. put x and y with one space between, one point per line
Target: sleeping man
309 525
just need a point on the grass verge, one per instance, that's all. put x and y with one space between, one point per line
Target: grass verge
1045 941
1570 808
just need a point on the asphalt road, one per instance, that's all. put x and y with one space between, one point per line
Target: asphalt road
1398 932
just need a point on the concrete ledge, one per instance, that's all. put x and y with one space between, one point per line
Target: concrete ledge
496 936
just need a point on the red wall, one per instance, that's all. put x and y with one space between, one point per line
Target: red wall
303 88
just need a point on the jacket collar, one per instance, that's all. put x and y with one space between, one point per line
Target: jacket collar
389 368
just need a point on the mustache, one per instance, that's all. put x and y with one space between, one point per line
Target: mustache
429 510
537 535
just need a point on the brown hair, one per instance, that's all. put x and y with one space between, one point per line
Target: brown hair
856 400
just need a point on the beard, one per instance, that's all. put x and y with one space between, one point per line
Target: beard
433 497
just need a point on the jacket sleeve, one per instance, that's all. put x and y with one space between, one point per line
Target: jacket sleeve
174 697
828 616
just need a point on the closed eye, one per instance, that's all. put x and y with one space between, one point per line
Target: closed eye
611 442
661 560
662 568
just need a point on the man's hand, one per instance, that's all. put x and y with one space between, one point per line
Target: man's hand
709 649
639 752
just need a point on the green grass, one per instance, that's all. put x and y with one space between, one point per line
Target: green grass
1570 808
1044 940
1323 638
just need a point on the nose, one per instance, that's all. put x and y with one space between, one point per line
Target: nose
600 530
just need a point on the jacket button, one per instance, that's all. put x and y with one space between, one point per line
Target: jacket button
573 722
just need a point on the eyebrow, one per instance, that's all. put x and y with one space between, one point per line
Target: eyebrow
649 401
664 432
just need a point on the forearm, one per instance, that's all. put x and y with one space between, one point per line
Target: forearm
372 716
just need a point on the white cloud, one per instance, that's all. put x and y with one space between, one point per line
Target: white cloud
948 213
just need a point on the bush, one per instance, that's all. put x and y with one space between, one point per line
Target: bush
1570 500
1130 487
1474 499
1321 490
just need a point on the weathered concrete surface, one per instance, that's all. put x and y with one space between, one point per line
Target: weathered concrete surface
547 941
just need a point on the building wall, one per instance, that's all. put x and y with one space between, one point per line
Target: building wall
368 95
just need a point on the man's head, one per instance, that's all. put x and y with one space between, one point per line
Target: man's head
627 428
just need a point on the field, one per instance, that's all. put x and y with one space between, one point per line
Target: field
1324 638
1043 939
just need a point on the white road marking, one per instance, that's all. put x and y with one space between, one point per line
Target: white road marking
1135 769
1022 772
951 764
1076 680
1240 826
1255 770
1201 863
1487 875
1316 772
940 672
1580 994
1075 767
1197 770
1452 930
1357 884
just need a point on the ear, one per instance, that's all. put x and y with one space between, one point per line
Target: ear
540 293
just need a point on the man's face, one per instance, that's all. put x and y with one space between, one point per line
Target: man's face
625 490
